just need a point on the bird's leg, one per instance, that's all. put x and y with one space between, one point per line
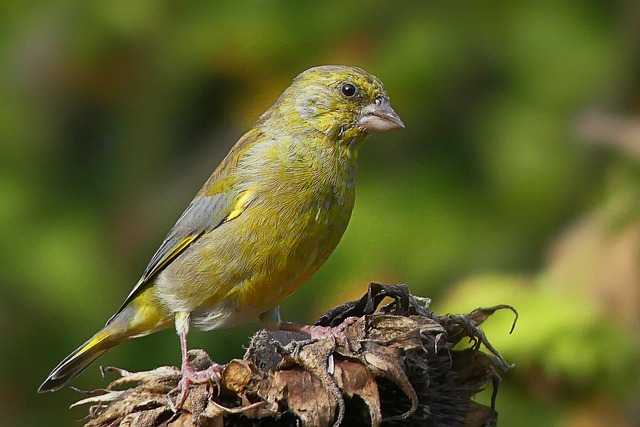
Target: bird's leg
271 320
321 332
189 374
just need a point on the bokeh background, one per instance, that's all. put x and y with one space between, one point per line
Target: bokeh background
516 180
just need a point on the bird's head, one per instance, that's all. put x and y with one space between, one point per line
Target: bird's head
344 103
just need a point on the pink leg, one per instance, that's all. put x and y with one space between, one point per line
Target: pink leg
321 332
191 376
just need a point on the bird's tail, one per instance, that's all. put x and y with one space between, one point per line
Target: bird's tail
136 319
80 358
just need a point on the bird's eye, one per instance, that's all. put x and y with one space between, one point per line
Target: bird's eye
348 90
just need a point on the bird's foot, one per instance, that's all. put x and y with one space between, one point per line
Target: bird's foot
192 376
322 332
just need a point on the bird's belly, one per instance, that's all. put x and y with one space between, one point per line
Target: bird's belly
226 314
289 251
252 263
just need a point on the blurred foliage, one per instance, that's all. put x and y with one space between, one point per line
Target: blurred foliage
112 114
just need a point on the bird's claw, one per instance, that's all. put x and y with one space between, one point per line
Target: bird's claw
337 332
191 376
323 332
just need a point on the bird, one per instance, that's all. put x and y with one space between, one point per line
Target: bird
264 222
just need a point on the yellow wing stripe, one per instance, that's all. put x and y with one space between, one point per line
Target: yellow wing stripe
240 205
179 248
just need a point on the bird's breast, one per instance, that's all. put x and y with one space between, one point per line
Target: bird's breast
301 210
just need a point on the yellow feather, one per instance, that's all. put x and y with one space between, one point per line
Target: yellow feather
240 205
147 316
179 248
92 343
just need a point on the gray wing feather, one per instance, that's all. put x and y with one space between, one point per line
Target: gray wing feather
203 214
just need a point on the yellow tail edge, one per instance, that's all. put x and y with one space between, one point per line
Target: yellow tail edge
78 360
140 317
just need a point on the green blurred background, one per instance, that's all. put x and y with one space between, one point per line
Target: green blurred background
516 180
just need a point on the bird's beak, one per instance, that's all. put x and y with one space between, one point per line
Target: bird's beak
380 117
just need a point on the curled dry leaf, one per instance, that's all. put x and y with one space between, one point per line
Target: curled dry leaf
396 365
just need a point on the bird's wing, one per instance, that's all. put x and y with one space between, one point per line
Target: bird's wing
202 215
214 205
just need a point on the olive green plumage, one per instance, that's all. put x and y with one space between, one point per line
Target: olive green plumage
264 222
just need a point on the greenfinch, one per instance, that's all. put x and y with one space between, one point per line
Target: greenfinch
267 218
